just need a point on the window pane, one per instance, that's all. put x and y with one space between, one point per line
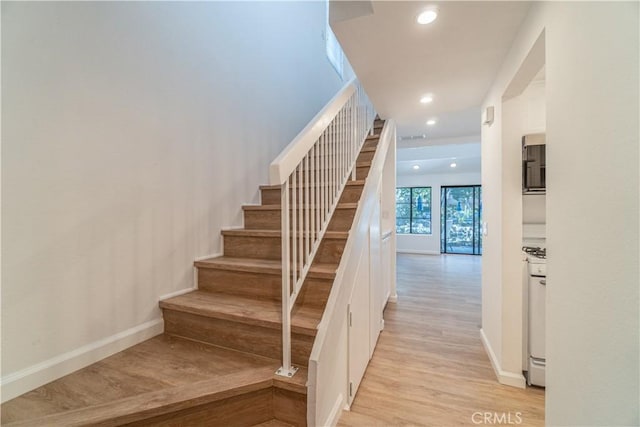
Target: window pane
402 226
423 194
403 211
403 195
421 226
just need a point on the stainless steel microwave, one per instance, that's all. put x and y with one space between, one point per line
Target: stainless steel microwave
534 163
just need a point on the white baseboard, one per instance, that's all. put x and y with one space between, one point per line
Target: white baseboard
177 293
336 411
202 258
24 380
504 377
416 252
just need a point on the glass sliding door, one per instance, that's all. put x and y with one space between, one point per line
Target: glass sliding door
460 219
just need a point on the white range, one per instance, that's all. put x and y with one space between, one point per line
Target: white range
534 274
536 293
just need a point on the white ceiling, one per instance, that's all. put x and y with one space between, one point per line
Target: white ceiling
455 58
437 159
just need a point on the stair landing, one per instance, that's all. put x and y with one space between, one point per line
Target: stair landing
156 378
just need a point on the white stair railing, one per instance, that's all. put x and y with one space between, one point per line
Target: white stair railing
312 172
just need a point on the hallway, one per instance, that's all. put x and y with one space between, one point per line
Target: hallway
430 368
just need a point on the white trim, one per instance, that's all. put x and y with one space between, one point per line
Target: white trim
232 227
416 252
202 258
504 377
177 293
24 380
393 298
336 412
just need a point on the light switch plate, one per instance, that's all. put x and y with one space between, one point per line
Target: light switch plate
487 116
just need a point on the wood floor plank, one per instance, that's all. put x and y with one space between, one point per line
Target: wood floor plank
429 368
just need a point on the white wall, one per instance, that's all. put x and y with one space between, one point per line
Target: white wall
430 243
534 209
132 133
592 172
511 224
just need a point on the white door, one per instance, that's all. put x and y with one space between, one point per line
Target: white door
376 288
358 327
386 269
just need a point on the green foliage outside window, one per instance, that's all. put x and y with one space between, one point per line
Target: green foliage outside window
413 210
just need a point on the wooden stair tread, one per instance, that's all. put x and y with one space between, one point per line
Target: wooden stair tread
297 383
273 423
368 149
151 404
357 182
250 311
278 207
155 365
374 136
256 265
276 233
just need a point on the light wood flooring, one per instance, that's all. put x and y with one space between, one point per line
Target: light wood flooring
430 368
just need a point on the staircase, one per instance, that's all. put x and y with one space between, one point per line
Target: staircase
234 318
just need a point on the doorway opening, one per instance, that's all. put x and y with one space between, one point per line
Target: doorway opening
460 219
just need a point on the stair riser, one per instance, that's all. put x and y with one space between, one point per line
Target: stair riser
365 156
241 283
314 293
260 285
238 336
362 172
342 220
371 143
329 252
271 219
272 197
290 407
244 410
350 194
252 247
326 179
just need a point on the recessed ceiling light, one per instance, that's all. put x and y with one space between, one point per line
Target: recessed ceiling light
453 165
426 99
416 167
427 16
431 122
